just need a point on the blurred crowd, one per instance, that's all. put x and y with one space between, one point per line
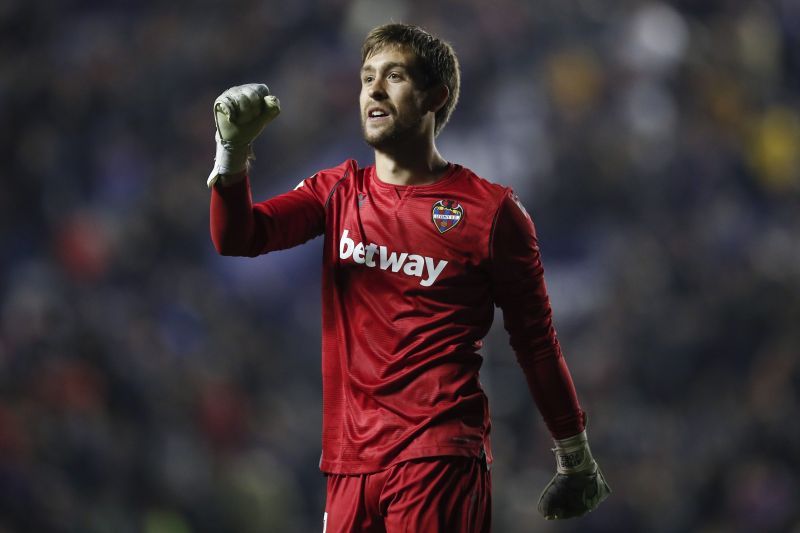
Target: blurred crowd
148 385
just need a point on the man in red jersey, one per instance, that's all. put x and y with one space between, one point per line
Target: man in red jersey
417 253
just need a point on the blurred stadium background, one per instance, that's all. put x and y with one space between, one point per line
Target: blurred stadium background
148 385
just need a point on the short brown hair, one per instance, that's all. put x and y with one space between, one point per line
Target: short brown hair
437 60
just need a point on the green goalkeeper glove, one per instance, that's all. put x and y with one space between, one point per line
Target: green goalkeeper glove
240 114
578 486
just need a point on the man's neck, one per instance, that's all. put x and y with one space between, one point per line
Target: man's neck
420 165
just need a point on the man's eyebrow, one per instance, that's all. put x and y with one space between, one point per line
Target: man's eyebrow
385 66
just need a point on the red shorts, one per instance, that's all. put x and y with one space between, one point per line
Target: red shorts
435 494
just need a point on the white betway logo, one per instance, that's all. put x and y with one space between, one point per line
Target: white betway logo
412 264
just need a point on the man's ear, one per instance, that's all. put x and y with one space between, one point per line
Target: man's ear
437 97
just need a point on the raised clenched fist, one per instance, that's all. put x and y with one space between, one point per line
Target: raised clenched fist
240 114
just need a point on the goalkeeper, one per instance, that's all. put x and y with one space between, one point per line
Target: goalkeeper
417 252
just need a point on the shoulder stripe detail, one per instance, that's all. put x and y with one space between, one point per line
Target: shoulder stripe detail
335 185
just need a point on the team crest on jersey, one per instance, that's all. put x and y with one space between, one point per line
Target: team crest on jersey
446 215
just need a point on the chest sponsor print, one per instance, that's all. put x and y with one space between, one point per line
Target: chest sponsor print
446 215
379 256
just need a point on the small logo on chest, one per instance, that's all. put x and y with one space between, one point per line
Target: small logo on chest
446 215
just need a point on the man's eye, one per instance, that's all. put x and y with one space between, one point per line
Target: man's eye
368 79
394 76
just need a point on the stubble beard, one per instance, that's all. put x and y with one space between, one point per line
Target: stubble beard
391 136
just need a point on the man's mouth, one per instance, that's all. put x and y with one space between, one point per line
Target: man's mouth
377 114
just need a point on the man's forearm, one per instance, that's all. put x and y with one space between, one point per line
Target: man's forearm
233 225
553 391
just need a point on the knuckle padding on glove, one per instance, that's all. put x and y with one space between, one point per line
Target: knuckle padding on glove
570 496
250 93
257 90
247 103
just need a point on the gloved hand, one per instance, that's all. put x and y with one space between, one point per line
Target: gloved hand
240 114
578 486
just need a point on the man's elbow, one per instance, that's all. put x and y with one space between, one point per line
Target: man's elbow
228 252
227 247
235 249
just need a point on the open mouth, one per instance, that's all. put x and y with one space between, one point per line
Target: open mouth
377 114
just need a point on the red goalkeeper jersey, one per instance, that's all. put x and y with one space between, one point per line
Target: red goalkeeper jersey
410 278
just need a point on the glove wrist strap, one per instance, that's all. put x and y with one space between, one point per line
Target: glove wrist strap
229 160
573 454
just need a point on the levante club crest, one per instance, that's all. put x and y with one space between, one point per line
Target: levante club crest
447 214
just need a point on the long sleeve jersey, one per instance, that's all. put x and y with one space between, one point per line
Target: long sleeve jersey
410 278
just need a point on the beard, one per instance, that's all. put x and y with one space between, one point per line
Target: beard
391 135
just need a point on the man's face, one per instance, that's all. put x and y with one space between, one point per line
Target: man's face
392 103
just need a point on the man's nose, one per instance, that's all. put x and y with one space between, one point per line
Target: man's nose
377 91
